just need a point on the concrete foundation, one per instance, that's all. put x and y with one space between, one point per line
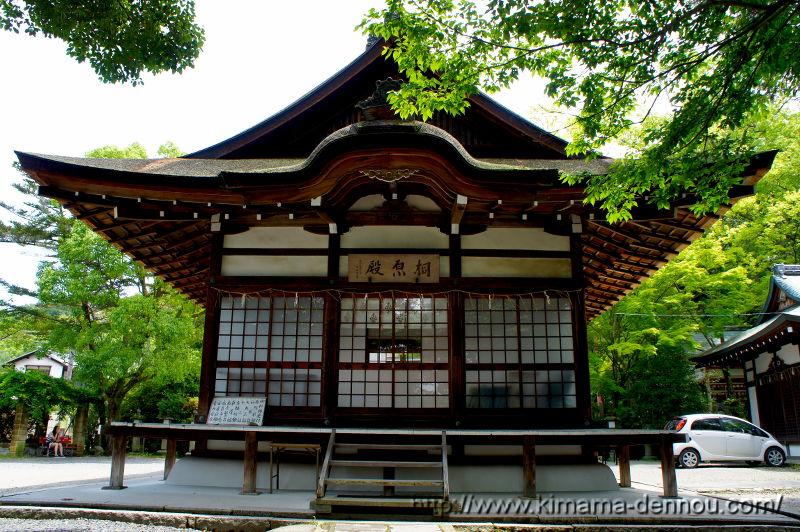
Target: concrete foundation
228 473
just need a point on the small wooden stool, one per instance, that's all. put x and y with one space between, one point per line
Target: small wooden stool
296 448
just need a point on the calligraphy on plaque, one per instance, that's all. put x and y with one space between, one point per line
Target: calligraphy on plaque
237 411
393 268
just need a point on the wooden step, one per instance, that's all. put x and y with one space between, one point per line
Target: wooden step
387 447
382 482
438 505
384 463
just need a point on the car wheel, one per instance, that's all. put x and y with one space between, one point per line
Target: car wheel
752 463
689 458
774 457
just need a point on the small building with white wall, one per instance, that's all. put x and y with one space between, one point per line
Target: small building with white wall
48 364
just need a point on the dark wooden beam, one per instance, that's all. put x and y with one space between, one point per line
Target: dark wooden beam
118 225
624 459
635 239
611 273
164 214
183 287
528 466
182 277
613 288
90 214
126 238
457 213
175 253
675 225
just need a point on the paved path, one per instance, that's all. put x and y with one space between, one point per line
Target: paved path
23 474
729 480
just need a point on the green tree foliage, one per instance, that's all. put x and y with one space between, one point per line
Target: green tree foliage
627 345
153 402
18 334
40 393
125 328
120 340
37 221
715 285
120 39
718 63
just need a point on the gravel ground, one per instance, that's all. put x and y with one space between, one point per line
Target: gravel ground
727 480
23 474
80 525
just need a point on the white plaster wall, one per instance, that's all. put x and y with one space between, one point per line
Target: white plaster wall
515 267
397 237
789 354
516 238
753 398
254 265
194 471
276 237
56 369
375 201
444 266
421 203
368 203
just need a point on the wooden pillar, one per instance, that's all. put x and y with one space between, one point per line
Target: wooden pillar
250 452
79 431
20 431
668 469
169 460
529 466
118 444
624 459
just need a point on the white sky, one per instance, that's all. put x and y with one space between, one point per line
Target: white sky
259 57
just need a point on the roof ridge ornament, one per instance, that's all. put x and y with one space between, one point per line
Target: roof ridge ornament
782 270
377 106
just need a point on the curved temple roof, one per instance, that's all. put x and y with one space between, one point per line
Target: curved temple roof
307 165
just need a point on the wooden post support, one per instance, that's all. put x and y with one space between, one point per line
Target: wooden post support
20 431
250 452
169 460
529 466
668 469
624 459
118 444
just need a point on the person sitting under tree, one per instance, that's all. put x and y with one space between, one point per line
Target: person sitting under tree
54 442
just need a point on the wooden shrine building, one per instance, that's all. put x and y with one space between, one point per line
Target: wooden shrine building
769 355
359 270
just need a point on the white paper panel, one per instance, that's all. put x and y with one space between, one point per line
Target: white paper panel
515 238
240 265
515 267
276 237
396 237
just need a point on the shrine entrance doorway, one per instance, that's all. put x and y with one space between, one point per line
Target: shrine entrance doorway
394 354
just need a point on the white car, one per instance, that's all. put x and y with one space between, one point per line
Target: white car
714 437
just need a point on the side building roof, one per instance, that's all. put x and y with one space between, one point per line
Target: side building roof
32 353
776 327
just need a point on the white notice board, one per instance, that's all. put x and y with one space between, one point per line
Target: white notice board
237 411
